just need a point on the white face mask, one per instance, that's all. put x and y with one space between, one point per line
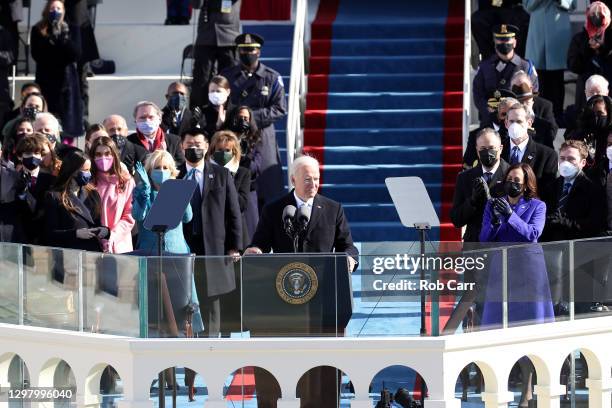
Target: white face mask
516 131
217 98
609 153
567 169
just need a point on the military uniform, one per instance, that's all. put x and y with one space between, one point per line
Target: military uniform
493 12
494 73
262 91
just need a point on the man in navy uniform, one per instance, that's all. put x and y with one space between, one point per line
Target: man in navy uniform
496 72
260 88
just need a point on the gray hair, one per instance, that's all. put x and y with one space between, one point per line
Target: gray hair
49 116
302 161
507 102
596 81
147 103
114 115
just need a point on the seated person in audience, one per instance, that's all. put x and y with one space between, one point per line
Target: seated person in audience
491 13
73 208
30 107
575 204
495 72
23 127
150 135
595 85
114 184
542 107
590 49
499 107
32 185
594 125
176 111
26 89
470 191
131 153
520 148
544 131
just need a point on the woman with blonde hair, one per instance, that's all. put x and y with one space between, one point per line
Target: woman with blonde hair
115 185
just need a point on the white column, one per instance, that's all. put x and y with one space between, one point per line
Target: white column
548 395
599 392
497 399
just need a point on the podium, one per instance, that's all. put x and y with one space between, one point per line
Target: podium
298 294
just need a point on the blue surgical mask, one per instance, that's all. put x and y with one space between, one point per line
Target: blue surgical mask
55 15
148 127
177 102
159 176
83 178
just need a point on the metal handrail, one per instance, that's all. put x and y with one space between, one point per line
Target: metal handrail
297 83
467 84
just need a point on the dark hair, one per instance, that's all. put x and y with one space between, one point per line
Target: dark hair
71 165
116 167
96 127
485 131
231 123
194 131
42 98
28 85
30 144
221 81
576 144
529 180
43 25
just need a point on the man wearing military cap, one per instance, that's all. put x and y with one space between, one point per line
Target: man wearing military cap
495 72
261 88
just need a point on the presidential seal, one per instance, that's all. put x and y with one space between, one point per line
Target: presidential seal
296 283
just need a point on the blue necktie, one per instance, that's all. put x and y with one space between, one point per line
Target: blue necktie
565 195
515 155
196 205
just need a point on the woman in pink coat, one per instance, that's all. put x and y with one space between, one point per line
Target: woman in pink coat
114 184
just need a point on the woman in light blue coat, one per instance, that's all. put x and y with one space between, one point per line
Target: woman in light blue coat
158 168
547 43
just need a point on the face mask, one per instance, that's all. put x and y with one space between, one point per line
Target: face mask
609 153
217 98
177 102
120 141
243 126
504 48
488 157
55 15
105 163
159 176
596 20
148 127
20 136
51 138
30 113
83 178
248 59
194 154
513 189
516 131
567 169
222 157
31 162
601 121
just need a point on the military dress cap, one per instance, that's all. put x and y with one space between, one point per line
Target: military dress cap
249 40
523 92
505 31
496 97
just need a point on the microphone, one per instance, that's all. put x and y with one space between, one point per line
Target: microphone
303 216
288 217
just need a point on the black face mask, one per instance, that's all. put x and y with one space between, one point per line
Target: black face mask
31 162
513 189
194 154
248 59
82 178
242 126
601 121
504 48
488 157
596 20
30 113
120 141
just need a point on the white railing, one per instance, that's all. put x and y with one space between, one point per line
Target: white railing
297 82
467 83
439 360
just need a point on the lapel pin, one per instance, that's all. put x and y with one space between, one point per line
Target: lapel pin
210 176
530 157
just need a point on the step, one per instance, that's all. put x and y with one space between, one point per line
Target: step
387 46
380 118
389 154
430 173
357 64
382 82
382 100
365 136
417 28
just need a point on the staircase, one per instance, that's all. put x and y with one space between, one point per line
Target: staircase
384 100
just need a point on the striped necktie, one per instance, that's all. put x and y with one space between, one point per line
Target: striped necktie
565 195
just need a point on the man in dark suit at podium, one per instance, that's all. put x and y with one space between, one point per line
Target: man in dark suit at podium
327 231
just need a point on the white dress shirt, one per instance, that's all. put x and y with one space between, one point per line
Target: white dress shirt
199 173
